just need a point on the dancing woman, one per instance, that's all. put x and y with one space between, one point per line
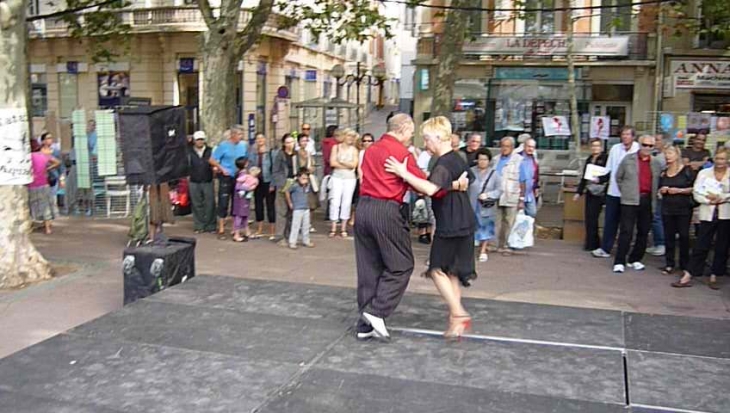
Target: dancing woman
451 263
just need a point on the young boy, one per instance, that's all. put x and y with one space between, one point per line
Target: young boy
246 183
296 197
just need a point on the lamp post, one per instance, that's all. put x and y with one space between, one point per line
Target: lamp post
358 78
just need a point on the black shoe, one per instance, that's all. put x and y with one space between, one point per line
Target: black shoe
423 239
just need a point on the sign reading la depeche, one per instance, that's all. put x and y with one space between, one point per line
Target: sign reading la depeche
15 167
549 46
701 74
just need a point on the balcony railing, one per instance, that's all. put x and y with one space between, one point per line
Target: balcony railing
145 20
637 49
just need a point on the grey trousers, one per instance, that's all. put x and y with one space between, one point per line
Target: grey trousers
203 205
300 223
503 223
384 257
283 216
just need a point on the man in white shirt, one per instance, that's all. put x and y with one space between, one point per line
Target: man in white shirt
307 130
612 215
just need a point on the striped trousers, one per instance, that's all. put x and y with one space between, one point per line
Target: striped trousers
384 257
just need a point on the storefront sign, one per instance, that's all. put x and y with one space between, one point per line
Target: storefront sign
310 76
15 167
701 74
186 65
550 46
425 79
533 73
251 129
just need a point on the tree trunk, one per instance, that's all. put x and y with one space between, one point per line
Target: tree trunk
218 103
20 262
574 120
449 56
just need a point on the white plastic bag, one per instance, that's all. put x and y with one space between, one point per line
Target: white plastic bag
521 235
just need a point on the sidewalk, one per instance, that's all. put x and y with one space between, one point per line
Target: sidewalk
554 272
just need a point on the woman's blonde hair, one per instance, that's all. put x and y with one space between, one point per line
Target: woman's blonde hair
352 134
672 148
339 135
439 126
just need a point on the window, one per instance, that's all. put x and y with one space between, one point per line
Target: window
540 21
38 94
68 94
327 88
616 19
33 7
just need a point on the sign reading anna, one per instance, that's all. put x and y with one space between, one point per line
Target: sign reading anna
701 74
549 45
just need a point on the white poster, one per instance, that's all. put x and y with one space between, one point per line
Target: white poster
555 126
15 166
600 126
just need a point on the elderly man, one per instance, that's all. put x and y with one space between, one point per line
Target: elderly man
382 234
508 164
201 184
472 148
529 178
224 159
657 227
612 214
307 131
638 179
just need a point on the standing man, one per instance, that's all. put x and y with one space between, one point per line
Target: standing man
508 167
657 226
382 234
472 148
201 184
529 179
224 159
638 180
612 214
307 131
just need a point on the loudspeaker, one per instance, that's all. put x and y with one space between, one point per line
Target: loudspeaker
152 268
154 145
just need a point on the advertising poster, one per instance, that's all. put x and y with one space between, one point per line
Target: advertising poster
720 126
698 122
555 126
600 126
15 166
113 86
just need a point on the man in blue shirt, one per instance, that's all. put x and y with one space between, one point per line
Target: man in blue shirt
529 175
224 159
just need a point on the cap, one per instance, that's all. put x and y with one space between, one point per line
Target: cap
199 135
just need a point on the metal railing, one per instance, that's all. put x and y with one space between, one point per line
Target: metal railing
428 44
181 18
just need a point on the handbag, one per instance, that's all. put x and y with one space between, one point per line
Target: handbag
489 202
596 189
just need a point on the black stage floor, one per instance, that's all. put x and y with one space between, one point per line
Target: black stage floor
220 344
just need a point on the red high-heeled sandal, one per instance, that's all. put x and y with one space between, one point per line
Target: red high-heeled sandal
458 326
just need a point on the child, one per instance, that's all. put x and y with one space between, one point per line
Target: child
246 183
297 199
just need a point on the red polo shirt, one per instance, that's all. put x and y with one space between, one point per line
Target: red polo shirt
645 175
327 145
378 184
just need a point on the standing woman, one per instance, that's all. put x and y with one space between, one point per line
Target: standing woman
265 193
712 192
363 143
451 262
283 169
484 192
306 161
39 191
343 160
595 192
675 189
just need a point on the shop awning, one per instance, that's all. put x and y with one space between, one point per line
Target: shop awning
335 103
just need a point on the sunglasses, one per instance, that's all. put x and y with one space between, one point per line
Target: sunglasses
367 141
647 145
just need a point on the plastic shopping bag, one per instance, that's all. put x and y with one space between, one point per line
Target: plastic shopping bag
521 235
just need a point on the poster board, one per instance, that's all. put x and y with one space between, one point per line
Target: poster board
15 165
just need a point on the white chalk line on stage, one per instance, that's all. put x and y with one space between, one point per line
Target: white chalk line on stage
509 339
666 409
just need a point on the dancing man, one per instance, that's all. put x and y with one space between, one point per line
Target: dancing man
382 233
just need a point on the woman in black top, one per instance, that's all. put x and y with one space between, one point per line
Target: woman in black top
595 192
451 263
675 189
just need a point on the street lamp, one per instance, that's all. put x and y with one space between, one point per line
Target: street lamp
358 78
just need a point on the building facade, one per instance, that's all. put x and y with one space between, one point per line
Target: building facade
163 66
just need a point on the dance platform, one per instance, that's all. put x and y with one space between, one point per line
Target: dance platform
220 344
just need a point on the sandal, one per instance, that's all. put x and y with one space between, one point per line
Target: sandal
713 285
458 326
344 234
667 270
680 284
332 234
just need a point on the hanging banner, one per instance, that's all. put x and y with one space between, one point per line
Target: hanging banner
15 166
555 126
600 126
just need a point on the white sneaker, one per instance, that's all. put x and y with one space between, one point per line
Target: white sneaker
636 266
657 251
619 268
377 323
600 253
483 257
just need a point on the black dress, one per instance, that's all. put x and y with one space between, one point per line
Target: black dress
452 250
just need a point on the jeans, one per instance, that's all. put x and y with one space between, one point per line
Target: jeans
657 229
341 198
226 185
531 209
677 225
203 205
634 217
611 220
300 221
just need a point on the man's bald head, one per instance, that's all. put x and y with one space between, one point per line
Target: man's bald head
401 127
